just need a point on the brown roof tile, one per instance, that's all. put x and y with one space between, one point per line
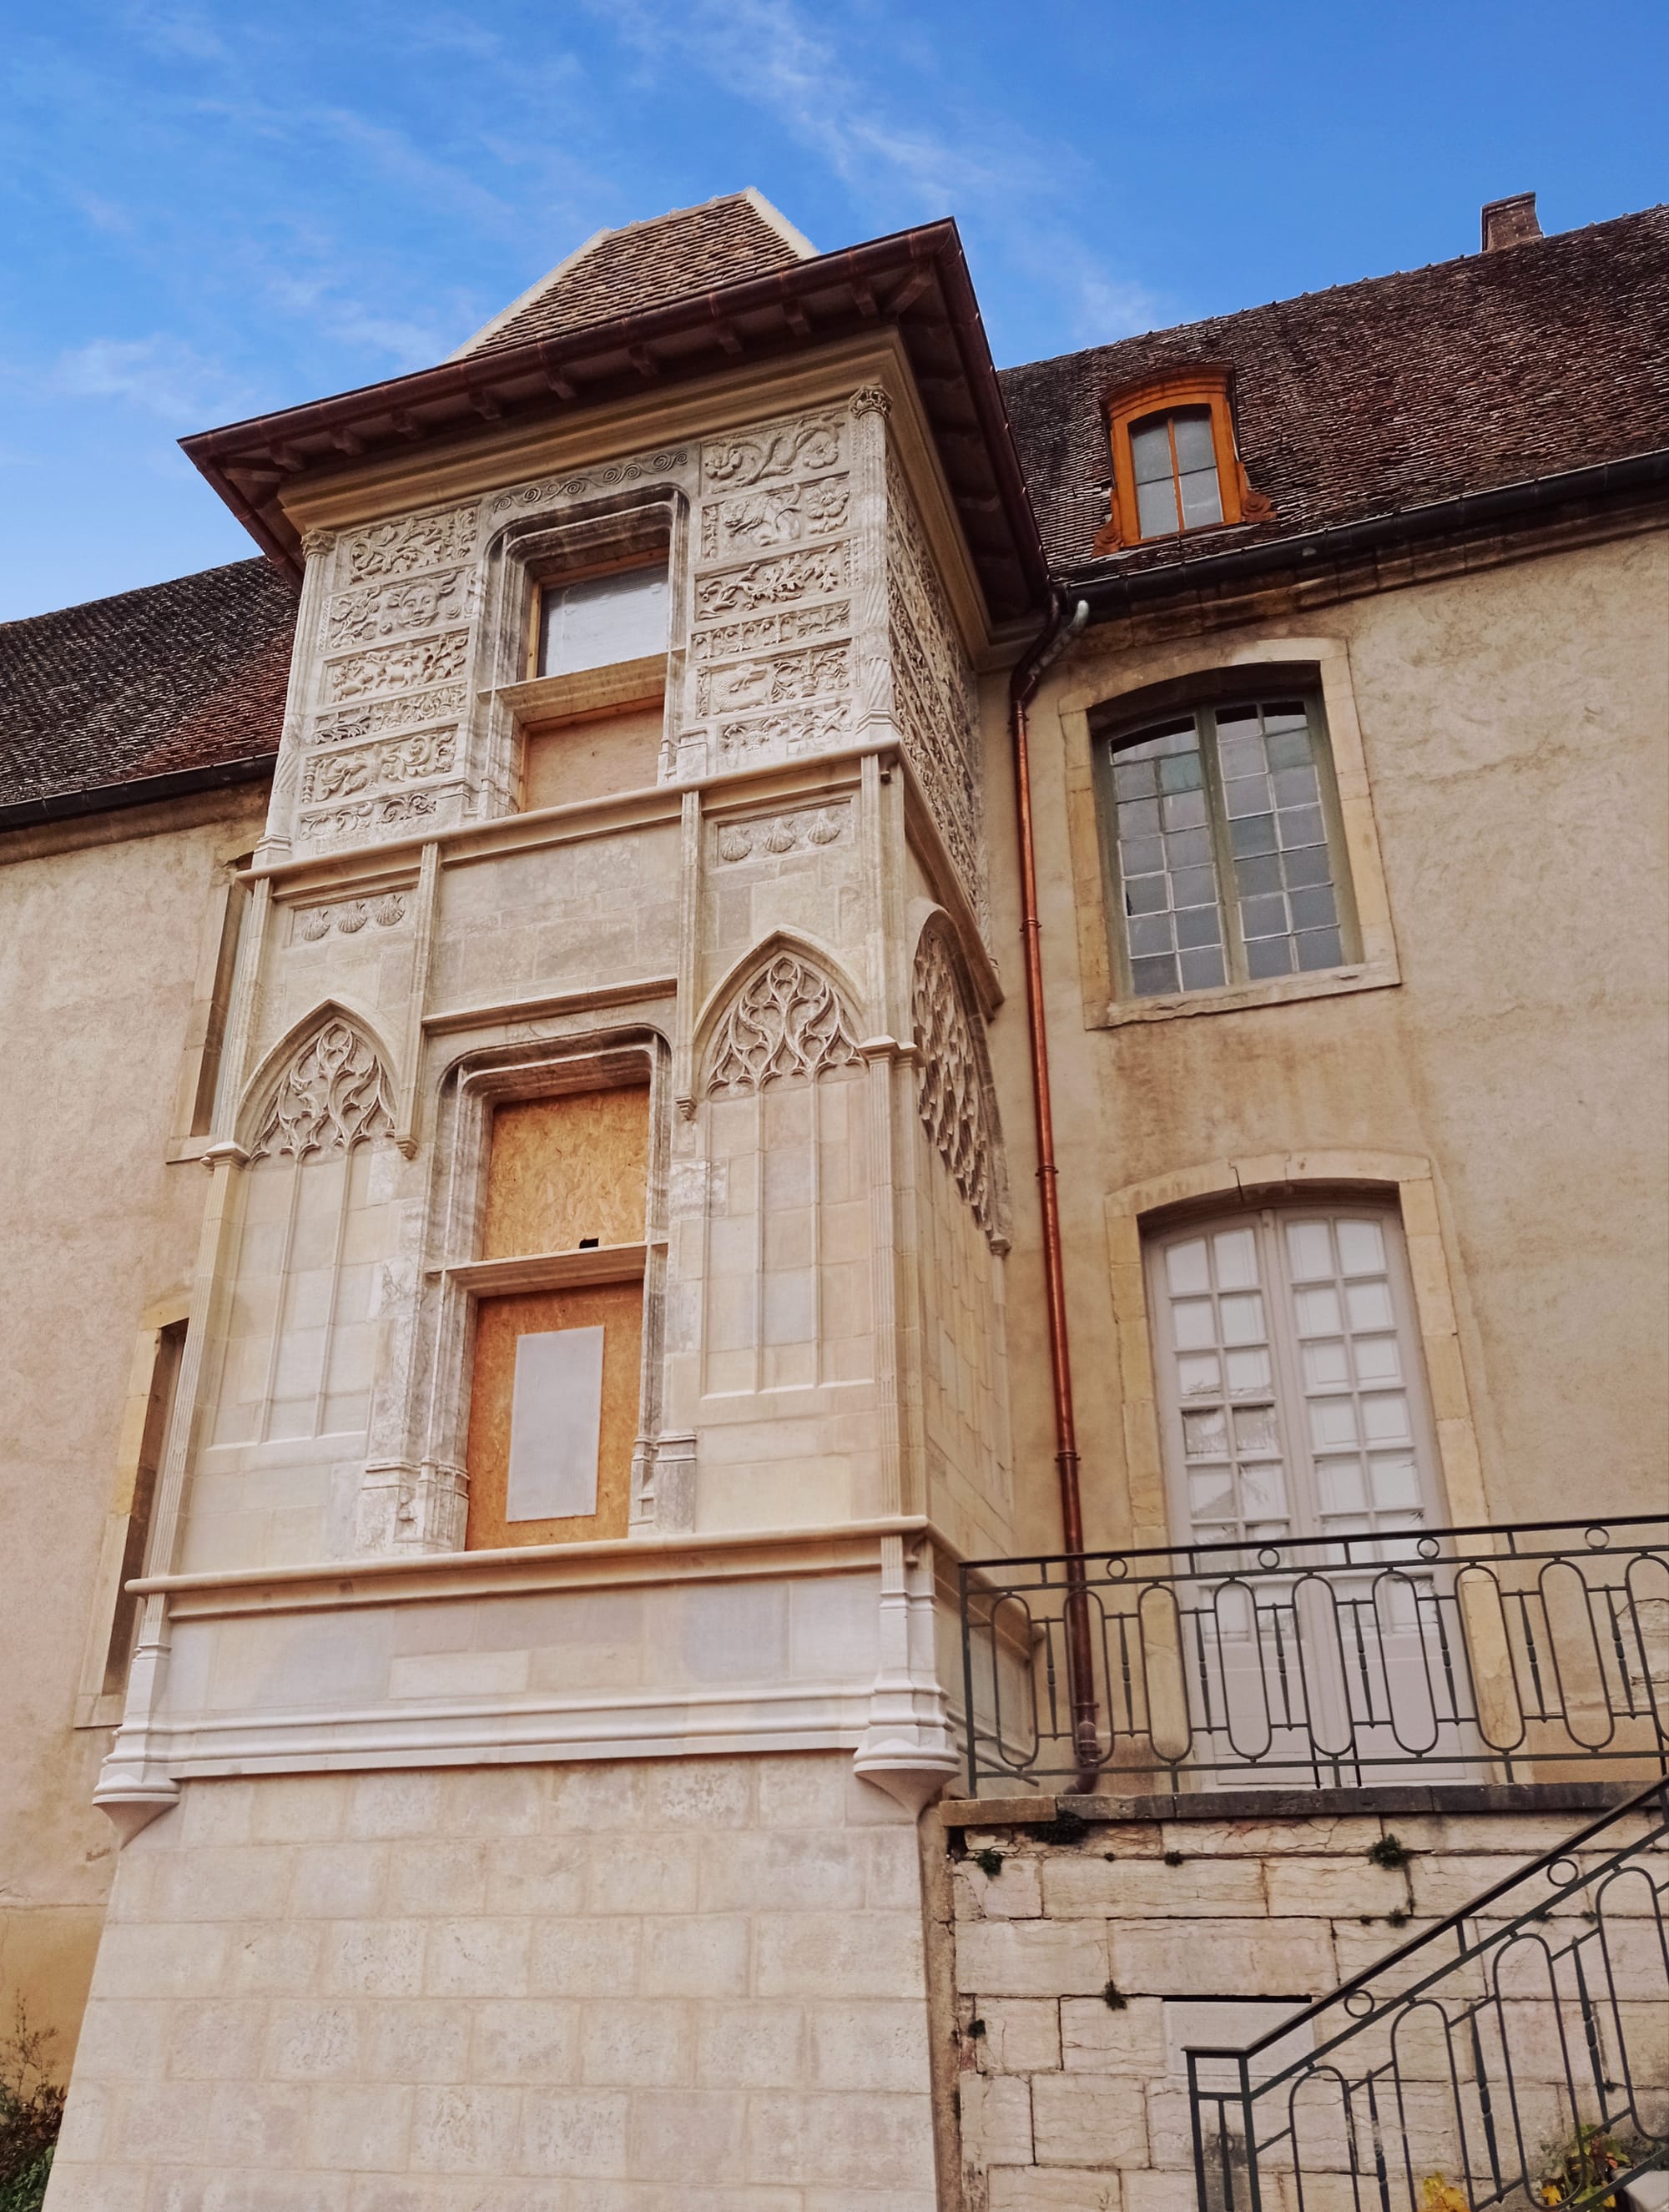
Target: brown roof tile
1384 395
648 264
183 675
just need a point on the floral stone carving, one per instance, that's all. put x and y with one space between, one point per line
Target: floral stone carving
335 1094
952 1086
789 1021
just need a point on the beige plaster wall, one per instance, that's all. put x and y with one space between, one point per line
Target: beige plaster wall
698 1982
1513 725
101 931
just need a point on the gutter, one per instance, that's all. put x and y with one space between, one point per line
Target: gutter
141 791
1108 593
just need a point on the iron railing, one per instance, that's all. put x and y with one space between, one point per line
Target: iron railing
1484 1653
1514 2054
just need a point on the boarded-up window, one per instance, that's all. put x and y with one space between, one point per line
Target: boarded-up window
555 1398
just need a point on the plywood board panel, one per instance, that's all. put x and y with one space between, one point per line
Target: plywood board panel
566 1168
593 758
617 1310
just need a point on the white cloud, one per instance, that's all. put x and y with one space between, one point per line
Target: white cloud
162 376
866 125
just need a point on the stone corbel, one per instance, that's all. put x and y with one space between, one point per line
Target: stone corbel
135 1785
908 1749
407 1506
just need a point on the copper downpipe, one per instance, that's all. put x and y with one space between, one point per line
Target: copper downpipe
1058 633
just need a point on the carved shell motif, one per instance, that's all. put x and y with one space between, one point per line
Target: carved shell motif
334 1095
788 1021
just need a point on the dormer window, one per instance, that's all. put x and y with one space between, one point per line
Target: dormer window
1175 466
1174 463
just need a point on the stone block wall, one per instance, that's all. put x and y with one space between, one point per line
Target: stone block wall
612 1986
1085 1968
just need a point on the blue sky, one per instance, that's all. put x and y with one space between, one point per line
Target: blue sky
215 210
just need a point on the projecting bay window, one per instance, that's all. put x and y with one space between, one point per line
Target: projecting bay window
1224 848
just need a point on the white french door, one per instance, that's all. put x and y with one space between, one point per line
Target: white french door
1324 1646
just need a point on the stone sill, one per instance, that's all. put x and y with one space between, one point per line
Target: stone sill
1295 1804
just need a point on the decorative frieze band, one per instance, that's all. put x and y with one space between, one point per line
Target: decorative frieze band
775 837
347 917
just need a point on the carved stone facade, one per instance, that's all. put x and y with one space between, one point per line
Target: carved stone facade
935 700
789 1021
334 1095
953 1077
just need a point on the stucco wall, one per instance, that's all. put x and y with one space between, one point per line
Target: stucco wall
101 928
1513 725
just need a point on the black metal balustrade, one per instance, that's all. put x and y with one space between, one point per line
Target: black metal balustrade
1517 2053
1493 1654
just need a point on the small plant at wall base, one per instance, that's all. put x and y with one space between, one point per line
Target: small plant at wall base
1576 2171
1390 1852
31 2109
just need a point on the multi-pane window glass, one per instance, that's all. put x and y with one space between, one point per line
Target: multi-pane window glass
1174 463
1225 799
1288 1353
601 620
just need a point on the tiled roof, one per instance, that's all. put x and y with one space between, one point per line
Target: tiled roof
1384 395
189 674
649 264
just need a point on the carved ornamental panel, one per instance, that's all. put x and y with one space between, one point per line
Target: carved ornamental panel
952 1092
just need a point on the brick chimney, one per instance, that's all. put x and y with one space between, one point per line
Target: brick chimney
1510 222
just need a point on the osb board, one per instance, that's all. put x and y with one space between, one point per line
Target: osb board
565 1168
618 1309
593 758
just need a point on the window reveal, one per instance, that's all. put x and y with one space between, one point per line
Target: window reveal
1237 800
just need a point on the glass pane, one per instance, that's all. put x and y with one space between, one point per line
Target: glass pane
1332 1421
1189 848
1384 1418
1141 856
1202 969
1309 1249
1341 1486
1186 1268
1198 926
1156 508
1151 932
1301 825
1236 1252
1153 977
1269 956
1242 1319
1263 1489
1288 748
1144 894
1254 833
1150 451
1185 811
1257 876
1192 1321
1310 866
1255 1430
1194 887
1138 817
1180 772
606 619
1135 778
1247 1371
1314 909
1198 1374
1294 787
1201 501
1320 948
1317 1311
1326 1367
1192 428
1246 794
1361 1247
1264 917
1368 1305
1204 1434
1283 715
1377 1359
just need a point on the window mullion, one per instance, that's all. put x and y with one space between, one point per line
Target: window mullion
1216 810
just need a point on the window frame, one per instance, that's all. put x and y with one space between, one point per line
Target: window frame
1127 410
546 581
1113 737
1268 1215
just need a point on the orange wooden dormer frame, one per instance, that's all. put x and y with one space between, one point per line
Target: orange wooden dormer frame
1207 387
